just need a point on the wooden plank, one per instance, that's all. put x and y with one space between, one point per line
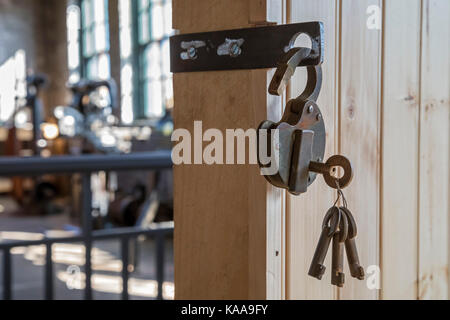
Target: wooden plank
306 212
434 151
275 198
360 132
224 215
400 147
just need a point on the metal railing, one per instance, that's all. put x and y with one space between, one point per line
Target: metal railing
12 166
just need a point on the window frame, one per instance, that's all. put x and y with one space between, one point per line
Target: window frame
139 76
137 58
76 70
85 59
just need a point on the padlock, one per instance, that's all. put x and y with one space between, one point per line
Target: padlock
300 135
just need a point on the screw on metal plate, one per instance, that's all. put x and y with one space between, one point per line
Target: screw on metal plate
231 48
191 49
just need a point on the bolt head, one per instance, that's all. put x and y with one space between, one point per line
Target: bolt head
192 53
235 50
310 109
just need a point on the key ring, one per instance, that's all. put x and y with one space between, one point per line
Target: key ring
340 195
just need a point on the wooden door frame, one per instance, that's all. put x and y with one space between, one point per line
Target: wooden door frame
246 261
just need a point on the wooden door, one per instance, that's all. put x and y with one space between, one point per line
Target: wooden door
386 105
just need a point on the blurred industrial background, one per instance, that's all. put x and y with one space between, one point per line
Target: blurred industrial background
88 80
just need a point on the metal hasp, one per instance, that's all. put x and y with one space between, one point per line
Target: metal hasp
249 48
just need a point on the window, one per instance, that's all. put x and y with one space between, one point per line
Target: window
154 80
13 86
144 30
95 39
127 61
73 42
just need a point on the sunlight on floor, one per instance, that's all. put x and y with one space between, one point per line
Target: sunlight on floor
113 284
73 255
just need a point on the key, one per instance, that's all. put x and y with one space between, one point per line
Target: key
356 270
337 262
329 228
338 276
353 260
317 268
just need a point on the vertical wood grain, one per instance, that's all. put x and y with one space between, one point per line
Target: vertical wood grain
228 222
306 212
360 132
275 198
400 147
434 151
385 100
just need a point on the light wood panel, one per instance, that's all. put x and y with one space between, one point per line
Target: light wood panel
306 212
393 114
276 198
400 147
228 222
385 101
359 134
434 151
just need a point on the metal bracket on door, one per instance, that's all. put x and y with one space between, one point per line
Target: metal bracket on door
249 48
300 137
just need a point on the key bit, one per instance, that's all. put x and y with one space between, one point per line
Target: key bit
337 275
353 260
356 270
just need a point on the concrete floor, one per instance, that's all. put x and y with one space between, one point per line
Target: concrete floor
28 264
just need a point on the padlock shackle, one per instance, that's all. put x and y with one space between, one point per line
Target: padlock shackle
286 69
313 85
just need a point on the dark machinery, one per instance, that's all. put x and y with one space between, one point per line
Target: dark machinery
91 110
35 195
131 198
